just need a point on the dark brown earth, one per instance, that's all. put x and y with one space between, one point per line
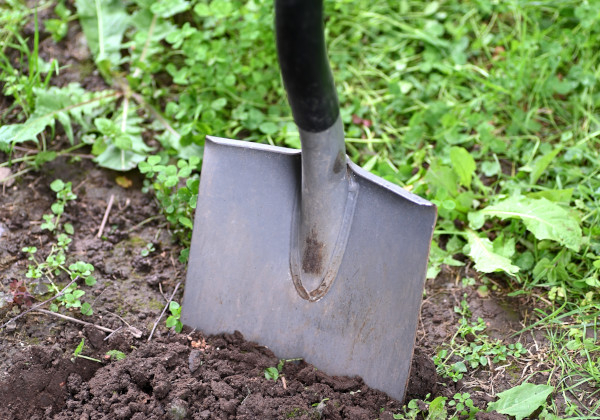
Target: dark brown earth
177 374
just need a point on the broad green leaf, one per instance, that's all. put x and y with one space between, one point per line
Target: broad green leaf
543 218
437 409
103 22
521 400
463 164
53 103
268 127
504 246
271 373
442 177
559 196
18 133
481 251
431 8
174 307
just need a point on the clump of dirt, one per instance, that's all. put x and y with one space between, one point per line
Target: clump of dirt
36 384
186 376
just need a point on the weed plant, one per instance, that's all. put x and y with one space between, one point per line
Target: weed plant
47 272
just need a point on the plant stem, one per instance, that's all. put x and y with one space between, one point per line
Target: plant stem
163 311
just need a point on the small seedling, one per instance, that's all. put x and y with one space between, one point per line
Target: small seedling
63 195
274 372
115 355
472 347
463 405
20 293
55 263
79 349
174 319
58 27
148 249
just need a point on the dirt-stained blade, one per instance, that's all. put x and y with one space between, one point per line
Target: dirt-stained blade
239 275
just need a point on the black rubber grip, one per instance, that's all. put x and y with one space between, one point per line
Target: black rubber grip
304 65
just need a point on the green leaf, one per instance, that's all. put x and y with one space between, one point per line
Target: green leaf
437 409
185 221
431 8
171 322
18 133
543 218
558 196
57 185
521 400
459 367
440 177
175 308
481 251
68 227
117 159
542 163
463 164
271 373
52 104
268 128
116 354
78 293
79 348
168 8
218 104
104 22
86 309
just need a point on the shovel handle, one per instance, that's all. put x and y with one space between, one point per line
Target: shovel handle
304 65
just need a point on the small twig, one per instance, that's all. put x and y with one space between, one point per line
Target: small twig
105 218
134 331
142 223
35 307
77 321
164 310
111 334
162 293
283 382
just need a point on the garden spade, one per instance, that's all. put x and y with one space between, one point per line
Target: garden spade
305 252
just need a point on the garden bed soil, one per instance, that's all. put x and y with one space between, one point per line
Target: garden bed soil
185 375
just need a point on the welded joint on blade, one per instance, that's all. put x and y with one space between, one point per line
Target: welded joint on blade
339 249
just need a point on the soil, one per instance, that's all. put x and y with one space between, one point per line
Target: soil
186 375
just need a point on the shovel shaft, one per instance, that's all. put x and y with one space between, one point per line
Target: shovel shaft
326 200
304 65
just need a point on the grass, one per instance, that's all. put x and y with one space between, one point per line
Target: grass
488 109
